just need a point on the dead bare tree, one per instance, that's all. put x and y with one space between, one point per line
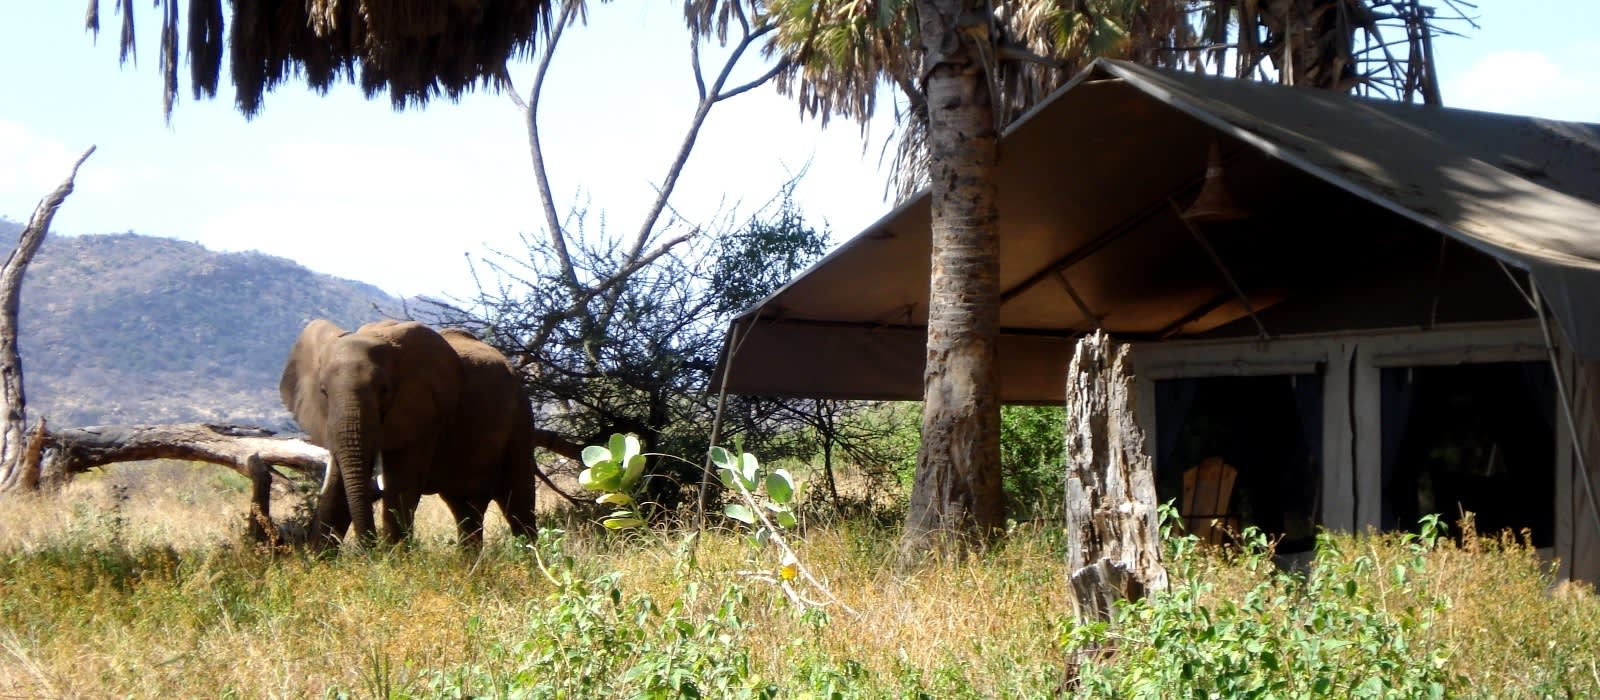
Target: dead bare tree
31 458
13 475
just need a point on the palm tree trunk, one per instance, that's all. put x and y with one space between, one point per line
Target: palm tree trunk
956 499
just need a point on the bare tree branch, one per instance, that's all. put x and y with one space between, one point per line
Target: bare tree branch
12 471
530 113
762 80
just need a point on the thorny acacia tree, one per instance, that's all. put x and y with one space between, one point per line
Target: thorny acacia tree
620 333
639 361
964 69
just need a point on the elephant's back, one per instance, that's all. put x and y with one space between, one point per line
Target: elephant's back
494 414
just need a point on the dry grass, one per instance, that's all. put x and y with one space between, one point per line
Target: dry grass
134 584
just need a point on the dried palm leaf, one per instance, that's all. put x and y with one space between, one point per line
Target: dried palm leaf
416 50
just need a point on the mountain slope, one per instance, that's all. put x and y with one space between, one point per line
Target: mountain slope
127 328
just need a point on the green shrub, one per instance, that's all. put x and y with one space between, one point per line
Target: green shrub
1032 458
1353 627
590 638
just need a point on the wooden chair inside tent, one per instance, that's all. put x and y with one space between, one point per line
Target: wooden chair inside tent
1207 499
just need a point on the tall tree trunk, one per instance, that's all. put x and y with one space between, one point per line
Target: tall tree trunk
956 499
13 475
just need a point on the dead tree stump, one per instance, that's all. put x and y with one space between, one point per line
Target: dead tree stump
13 399
262 531
1113 533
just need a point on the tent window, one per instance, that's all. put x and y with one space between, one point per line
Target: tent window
1477 438
1268 428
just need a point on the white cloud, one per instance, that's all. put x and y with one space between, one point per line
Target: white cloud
1558 84
33 166
399 217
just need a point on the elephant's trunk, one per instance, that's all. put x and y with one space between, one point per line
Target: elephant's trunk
356 448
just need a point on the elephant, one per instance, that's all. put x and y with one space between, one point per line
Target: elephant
432 412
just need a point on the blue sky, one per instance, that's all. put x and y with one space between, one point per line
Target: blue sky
350 187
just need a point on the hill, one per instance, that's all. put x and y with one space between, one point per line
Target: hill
127 328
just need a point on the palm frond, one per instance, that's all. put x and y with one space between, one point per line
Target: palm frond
416 50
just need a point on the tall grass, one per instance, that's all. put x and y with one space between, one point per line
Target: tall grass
144 590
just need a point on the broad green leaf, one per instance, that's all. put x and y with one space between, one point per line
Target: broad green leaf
786 519
721 457
615 499
739 512
750 468
621 523
632 473
728 477
595 454
604 476
780 485
619 446
630 447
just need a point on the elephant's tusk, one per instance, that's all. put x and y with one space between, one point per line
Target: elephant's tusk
327 477
377 476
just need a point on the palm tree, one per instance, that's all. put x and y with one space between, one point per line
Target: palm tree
965 68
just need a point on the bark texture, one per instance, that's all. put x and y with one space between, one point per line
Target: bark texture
956 499
13 445
262 529
1113 533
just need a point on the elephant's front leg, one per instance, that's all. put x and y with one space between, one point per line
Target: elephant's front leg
404 472
333 511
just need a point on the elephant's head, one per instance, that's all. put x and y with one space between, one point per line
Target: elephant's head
388 387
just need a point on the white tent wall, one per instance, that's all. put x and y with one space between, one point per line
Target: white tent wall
1350 365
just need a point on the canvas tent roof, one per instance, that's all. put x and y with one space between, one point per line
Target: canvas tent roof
1349 195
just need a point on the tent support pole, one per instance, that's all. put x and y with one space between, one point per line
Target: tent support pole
735 341
1216 260
1081 253
1077 299
1566 407
1193 315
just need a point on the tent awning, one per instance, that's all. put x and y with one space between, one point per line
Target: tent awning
1350 197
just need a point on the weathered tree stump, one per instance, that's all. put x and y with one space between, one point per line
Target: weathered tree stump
1113 533
13 398
262 529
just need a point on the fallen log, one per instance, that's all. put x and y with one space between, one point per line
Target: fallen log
63 454
73 451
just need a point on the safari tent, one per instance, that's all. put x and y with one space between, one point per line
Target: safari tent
1399 314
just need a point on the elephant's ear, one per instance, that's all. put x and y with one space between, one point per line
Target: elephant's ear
427 378
298 386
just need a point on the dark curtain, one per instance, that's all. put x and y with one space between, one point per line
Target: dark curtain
1540 382
1308 407
1174 398
1306 478
1397 394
